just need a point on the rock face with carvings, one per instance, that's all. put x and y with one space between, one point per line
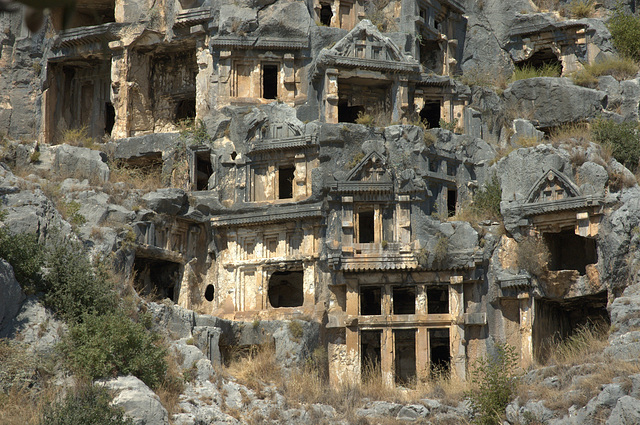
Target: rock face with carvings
294 188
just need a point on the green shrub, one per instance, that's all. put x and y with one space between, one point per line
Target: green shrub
86 405
524 72
112 344
446 125
486 201
623 138
494 381
619 68
72 286
625 33
296 330
26 256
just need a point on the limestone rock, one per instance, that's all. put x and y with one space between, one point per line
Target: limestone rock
625 412
12 295
167 201
553 101
138 401
82 163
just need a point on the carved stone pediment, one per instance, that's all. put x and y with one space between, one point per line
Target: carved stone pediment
552 186
364 47
371 169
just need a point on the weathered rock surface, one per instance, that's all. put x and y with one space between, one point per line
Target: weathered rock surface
138 401
554 101
81 163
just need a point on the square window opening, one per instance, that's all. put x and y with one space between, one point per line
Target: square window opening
404 300
438 299
370 301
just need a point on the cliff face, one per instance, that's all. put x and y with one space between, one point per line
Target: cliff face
366 180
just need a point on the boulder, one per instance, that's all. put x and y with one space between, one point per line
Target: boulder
81 163
553 101
12 295
138 401
36 326
167 201
625 412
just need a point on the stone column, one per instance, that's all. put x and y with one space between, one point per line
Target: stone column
456 333
526 329
386 356
331 96
120 89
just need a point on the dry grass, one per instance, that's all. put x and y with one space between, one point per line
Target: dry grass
256 368
77 137
143 178
579 382
23 406
619 68
576 132
581 8
173 384
309 384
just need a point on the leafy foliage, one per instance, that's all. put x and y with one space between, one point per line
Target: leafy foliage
87 405
112 344
623 138
486 201
625 33
72 286
494 382
26 257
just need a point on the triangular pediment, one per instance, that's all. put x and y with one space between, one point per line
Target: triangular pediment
371 169
552 186
365 41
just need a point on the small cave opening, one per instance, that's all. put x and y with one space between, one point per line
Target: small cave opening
209 292
405 355
157 278
452 200
109 118
540 59
285 182
348 113
370 353
404 300
431 114
286 289
569 251
439 351
556 320
366 226
370 300
185 110
438 299
269 81
203 169
325 14
434 165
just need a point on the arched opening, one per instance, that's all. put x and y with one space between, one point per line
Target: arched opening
286 289
431 114
325 14
209 292
540 59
